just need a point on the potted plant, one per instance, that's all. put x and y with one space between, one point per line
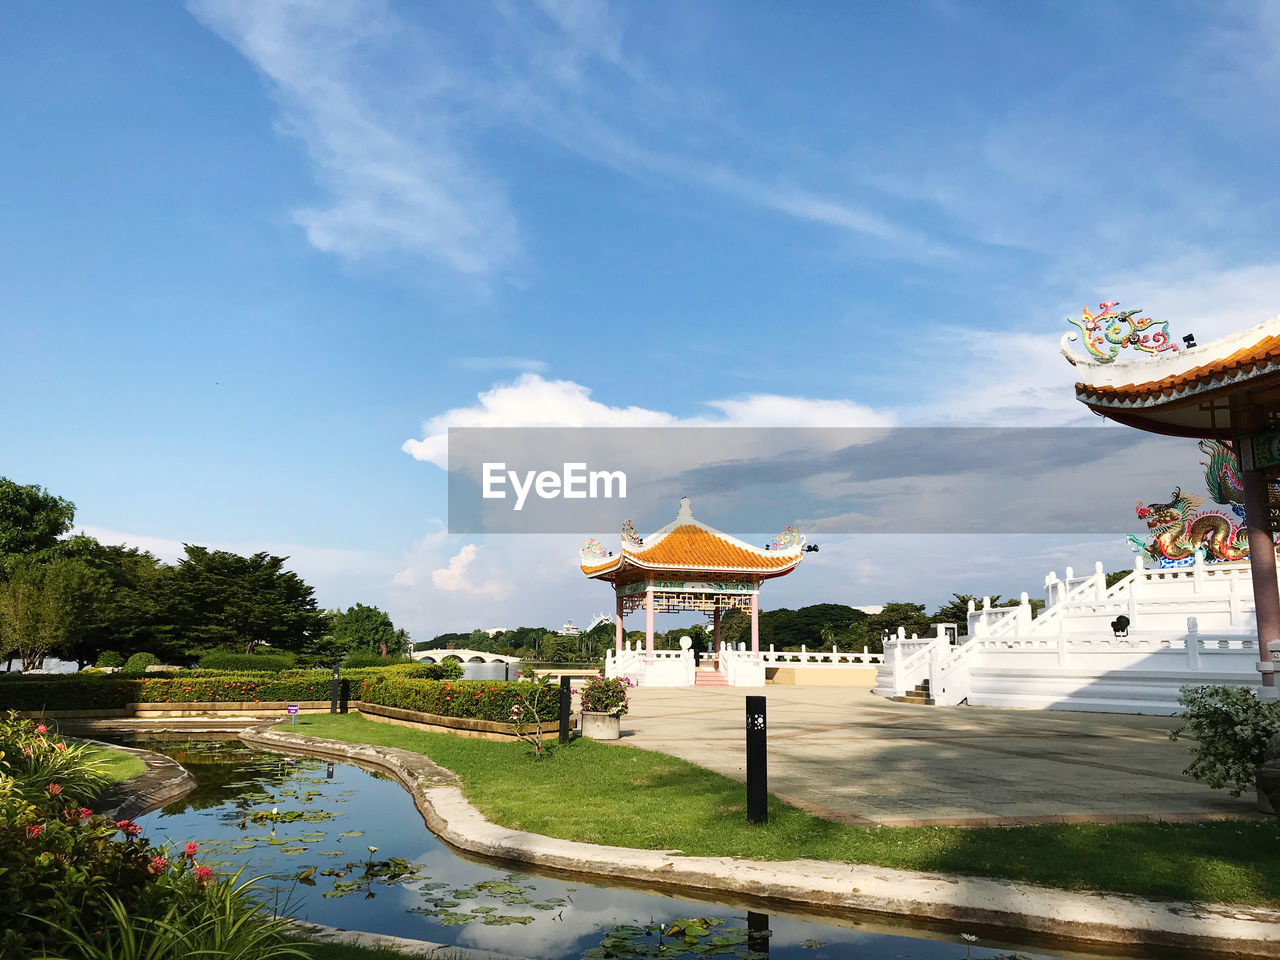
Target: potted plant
604 701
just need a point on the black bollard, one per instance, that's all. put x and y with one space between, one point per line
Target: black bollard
566 698
758 932
757 763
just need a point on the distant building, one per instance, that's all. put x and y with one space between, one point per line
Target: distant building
569 629
871 609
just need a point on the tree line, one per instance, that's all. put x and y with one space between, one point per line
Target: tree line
74 598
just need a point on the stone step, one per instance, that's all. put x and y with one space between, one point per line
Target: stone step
709 678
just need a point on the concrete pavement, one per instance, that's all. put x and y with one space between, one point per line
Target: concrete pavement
848 755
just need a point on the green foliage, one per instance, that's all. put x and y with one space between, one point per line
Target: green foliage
1231 727
233 660
366 630
46 607
368 658
606 695
445 670
478 699
110 658
36 764
1115 576
31 522
910 616
224 599
139 662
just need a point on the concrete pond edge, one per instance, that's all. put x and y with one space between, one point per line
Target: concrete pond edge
805 884
164 781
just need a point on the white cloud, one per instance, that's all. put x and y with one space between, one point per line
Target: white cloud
531 401
453 576
400 175
492 364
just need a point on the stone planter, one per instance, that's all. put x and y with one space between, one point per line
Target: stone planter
601 726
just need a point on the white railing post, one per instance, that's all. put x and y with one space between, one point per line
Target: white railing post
1197 570
1193 644
1233 599
1024 613
1062 647
1100 580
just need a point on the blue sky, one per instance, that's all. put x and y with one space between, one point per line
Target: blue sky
253 249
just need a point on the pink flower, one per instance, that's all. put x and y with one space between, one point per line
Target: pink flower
42 729
35 830
157 866
128 827
60 746
190 848
203 875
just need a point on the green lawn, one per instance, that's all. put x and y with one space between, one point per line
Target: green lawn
605 793
118 764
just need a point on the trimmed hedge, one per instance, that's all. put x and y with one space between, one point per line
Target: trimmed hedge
404 685
478 699
139 662
233 660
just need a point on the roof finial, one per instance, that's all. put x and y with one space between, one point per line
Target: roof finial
686 509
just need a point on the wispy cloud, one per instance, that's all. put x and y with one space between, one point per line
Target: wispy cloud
394 111
401 176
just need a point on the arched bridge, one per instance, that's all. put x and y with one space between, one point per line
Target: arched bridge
462 656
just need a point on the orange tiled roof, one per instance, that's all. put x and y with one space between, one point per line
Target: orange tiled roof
692 546
1241 364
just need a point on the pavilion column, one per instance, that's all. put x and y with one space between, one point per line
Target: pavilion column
1262 564
715 629
617 625
755 627
648 622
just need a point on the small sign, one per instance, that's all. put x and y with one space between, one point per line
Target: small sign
292 710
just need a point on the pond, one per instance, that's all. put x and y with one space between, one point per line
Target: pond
346 847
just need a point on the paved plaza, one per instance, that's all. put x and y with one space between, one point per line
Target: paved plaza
848 755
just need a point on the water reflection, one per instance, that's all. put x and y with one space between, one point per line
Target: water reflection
347 848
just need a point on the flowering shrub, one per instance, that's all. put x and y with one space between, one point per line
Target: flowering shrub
477 699
36 764
606 695
1231 727
73 883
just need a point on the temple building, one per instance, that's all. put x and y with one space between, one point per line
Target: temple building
1228 391
688 566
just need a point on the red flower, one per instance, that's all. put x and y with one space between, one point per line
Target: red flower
128 828
157 866
42 729
60 746
35 830
203 875
190 848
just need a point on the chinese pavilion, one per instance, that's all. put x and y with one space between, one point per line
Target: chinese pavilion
688 565
1227 390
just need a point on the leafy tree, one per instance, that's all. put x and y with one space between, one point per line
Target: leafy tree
443 640
31 522
955 610
128 613
910 616
366 629
46 607
735 628
218 598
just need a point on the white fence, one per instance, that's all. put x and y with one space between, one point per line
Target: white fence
1187 626
667 668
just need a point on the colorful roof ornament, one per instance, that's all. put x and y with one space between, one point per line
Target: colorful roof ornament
593 549
789 537
1109 331
629 534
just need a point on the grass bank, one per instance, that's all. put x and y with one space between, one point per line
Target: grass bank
117 764
605 793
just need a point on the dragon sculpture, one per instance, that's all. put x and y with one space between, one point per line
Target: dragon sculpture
1179 532
1109 330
